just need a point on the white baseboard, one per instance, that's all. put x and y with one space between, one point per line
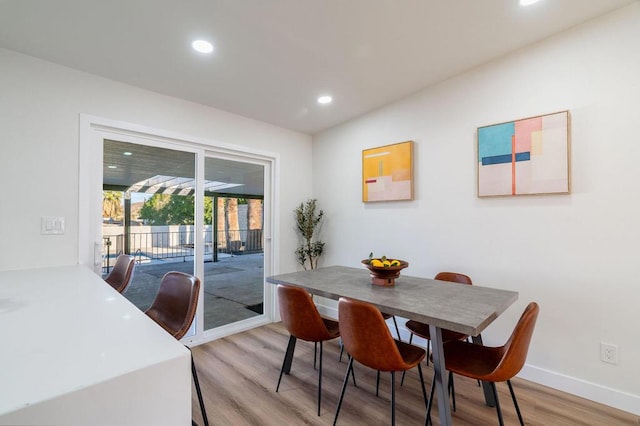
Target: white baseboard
592 391
328 311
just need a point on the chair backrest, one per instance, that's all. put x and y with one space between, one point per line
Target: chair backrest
122 272
516 349
366 337
453 277
300 315
174 307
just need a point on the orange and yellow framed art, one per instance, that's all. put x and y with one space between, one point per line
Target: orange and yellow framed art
387 173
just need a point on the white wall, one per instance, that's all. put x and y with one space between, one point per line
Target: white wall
40 104
576 255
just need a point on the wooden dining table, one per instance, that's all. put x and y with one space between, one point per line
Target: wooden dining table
463 308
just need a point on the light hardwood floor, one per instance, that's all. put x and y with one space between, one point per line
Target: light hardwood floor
238 376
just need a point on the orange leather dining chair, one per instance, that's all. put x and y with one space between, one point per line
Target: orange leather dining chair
122 273
386 316
303 321
367 339
493 364
422 330
174 308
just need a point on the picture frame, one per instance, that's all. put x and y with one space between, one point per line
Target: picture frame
529 156
387 173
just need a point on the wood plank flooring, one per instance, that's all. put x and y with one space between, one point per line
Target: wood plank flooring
238 377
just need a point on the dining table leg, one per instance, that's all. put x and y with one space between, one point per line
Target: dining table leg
440 375
489 399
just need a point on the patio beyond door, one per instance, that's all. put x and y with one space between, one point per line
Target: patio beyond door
148 212
150 201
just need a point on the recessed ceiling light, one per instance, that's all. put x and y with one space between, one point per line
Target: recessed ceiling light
202 46
127 153
528 2
325 99
112 167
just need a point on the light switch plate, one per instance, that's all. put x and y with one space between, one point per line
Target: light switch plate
52 225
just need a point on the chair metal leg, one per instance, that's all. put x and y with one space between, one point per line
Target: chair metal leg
315 354
320 380
353 374
344 386
377 382
424 392
427 421
405 371
452 391
194 373
288 358
486 387
452 394
495 395
393 398
352 370
397 329
515 403
428 348
469 340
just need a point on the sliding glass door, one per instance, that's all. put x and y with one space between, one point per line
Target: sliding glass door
182 207
148 212
233 242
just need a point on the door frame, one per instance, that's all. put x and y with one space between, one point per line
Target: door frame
94 130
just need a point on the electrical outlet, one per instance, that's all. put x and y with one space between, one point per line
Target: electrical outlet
609 353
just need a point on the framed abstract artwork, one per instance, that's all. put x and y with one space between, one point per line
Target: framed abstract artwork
387 173
525 157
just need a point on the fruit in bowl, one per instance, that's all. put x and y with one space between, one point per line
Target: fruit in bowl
384 271
379 263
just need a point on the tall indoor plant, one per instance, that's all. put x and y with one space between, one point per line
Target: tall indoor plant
308 220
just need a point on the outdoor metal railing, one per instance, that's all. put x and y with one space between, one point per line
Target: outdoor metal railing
149 246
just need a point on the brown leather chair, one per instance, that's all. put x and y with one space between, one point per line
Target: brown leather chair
303 321
122 273
367 339
422 330
386 317
174 308
493 364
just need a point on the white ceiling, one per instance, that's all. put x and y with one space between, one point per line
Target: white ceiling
273 58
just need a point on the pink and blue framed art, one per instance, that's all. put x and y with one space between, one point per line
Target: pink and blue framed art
525 157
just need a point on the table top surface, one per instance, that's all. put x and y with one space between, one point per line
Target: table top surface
467 309
64 329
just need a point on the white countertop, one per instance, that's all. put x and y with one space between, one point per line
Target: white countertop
64 329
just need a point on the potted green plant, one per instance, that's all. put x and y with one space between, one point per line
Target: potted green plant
308 220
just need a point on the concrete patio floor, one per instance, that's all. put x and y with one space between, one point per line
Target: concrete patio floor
233 286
